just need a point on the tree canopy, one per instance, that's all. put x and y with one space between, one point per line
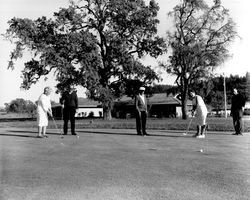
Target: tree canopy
93 43
20 105
199 42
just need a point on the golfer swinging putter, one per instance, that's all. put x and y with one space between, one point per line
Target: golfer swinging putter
201 114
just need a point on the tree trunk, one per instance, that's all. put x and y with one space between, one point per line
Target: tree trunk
107 114
184 108
184 98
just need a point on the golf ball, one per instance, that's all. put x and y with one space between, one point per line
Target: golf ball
78 136
201 150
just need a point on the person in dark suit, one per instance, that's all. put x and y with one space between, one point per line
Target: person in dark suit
237 108
141 112
69 102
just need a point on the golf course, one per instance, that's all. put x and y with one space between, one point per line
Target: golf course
116 164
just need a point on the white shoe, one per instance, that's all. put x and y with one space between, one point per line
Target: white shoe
200 136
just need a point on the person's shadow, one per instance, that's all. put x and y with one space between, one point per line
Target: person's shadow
16 133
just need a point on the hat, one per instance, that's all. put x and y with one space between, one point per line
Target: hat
142 88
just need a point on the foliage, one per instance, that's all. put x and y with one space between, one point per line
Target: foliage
93 43
20 105
213 89
199 42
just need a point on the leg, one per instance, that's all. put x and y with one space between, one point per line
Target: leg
39 131
65 120
198 131
44 131
240 122
144 120
235 123
203 129
138 123
72 120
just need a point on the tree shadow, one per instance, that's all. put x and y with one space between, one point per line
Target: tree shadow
128 134
106 133
19 135
25 133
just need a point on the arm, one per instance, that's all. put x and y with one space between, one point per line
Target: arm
44 105
136 104
146 104
50 109
194 106
76 100
62 99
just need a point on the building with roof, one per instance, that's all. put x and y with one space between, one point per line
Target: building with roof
86 108
159 106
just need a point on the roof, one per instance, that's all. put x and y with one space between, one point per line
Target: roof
156 99
84 103
159 99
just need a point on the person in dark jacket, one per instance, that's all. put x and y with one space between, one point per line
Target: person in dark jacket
237 107
141 112
69 102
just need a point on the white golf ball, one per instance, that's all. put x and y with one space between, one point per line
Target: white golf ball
201 150
78 136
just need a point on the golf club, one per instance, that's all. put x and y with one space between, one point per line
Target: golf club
189 124
61 135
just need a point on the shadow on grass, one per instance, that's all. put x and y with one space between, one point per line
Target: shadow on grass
19 135
163 133
23 135
129 134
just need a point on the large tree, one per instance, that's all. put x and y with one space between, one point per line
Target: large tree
20 105
199 42
93 43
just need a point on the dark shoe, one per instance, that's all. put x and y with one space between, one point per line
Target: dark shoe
139 133
64 133
45 136
39 136
235 134
74 133
146 134
240 134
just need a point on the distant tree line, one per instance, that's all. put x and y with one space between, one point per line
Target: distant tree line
20 105
212 89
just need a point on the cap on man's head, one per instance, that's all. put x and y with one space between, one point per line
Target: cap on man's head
142 89
71 87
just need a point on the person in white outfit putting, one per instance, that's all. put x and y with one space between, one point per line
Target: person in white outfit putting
200 110
43 109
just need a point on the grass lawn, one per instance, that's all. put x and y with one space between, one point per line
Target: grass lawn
115 164
215 124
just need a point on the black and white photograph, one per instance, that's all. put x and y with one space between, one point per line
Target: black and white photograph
124 100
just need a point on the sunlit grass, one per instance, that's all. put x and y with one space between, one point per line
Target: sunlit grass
215 124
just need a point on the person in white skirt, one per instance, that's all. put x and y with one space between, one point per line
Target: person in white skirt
200 109
43 110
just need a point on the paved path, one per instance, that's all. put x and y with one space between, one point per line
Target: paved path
118 165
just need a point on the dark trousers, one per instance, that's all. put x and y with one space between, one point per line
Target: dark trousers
69 114
141 119
237 121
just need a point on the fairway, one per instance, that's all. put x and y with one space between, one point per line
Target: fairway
116 164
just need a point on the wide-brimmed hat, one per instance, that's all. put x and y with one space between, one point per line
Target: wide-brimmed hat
142 88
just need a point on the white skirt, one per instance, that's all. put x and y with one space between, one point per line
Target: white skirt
42 117
201 116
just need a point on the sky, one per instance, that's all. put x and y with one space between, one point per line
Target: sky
10 80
